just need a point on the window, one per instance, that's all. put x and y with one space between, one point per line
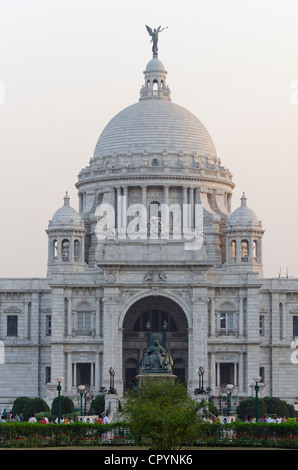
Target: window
244 251
233 251
262 374
227 321
255 250
48 375
54 249
48 325
295 327
261 325
154 223
12 325
65 250
76 248
84 323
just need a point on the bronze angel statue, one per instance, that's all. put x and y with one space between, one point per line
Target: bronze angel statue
154 35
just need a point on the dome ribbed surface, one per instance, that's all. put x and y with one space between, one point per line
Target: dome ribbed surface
155 125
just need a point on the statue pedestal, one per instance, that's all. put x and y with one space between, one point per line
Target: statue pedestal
157 377
112 403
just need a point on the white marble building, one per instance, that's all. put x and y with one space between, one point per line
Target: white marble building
91 311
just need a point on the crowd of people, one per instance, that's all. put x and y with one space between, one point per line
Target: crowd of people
8 417
268 419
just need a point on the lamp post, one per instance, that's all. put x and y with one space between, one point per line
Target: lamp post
112 378
81 388
85 401
229 390
59 381
91 404
201 379
257 380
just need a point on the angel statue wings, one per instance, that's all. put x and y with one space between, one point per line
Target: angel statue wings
154 35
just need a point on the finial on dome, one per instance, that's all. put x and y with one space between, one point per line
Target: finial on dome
154 40
243 200
66 199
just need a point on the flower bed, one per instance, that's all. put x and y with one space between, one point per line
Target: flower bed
15 435
37 435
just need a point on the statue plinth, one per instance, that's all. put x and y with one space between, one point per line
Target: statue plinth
155 377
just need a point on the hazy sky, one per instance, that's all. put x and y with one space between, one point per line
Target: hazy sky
69 66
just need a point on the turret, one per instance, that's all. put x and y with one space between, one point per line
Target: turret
244 234
66 234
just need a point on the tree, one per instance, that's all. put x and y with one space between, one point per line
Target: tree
247 408
19 404
34 405
275 406
67 405
162 414
98 404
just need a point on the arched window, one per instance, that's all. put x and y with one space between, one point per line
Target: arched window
54 249
65 250
76 250
244 251
154 223
255 250
148 85
233 251
155 87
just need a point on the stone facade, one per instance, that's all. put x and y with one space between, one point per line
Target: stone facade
91 311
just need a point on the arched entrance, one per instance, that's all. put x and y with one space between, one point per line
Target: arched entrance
156 309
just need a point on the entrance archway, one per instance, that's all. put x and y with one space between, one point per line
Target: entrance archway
155 309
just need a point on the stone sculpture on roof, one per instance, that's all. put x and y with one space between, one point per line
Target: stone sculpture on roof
154 35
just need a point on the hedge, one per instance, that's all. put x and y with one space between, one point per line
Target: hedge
262 435
24 434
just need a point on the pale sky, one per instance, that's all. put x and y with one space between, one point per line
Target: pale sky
69 66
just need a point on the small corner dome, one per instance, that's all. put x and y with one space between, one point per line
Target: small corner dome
66 215
244 215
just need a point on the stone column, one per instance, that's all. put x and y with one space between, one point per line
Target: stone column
212 371
240 374
69 372
283 320
191 208
119 208
198 346
241 317
97 317
212 318
69 316
112 353
97 372
26 320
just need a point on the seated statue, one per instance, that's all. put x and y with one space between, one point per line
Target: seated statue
156 359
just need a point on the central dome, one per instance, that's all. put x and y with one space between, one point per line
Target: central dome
155 125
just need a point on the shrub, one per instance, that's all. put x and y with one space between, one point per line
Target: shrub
247 408
34 405
67 405
19 405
